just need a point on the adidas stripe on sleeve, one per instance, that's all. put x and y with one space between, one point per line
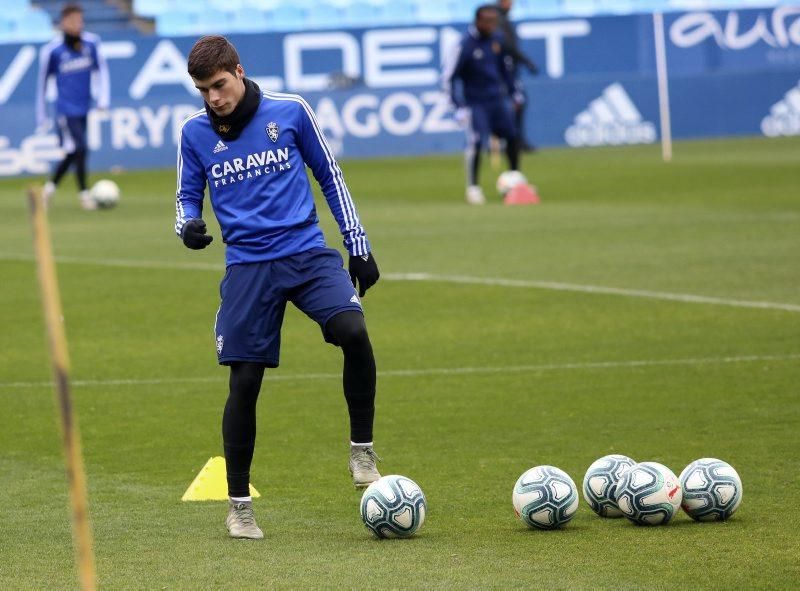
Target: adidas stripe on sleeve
191 181
319 157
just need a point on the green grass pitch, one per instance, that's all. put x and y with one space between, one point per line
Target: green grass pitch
653 310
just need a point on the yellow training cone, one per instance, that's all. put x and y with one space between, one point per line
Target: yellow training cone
211 483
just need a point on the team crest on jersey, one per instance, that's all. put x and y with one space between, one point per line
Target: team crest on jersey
273 131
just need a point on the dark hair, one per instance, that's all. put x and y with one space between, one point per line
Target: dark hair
483 7
212 54
70 8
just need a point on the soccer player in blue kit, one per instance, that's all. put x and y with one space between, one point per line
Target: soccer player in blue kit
483 100
73 58
251 149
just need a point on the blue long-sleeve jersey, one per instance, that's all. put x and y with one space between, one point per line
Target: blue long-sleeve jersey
482 66
73 70
258 186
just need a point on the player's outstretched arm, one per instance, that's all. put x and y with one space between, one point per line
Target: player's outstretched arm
194 234
319 157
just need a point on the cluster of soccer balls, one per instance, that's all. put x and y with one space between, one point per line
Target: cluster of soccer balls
647 493
545 497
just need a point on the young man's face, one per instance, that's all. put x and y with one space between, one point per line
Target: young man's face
72 24
486 23
222 91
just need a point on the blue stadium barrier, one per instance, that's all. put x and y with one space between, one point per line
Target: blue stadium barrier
731 73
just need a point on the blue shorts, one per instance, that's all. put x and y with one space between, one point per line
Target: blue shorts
72 133
496 118
254 297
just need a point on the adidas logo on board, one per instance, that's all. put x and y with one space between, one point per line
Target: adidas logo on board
610 120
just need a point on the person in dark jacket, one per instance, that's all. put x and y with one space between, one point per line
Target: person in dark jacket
508 30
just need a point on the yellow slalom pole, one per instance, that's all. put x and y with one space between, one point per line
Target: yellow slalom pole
57 340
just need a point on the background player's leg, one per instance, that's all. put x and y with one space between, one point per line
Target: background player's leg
62 168
504 125
512 152
477 129
239 425
80 169
77 129
349 331
472 159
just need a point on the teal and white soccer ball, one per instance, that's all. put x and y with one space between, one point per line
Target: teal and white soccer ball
393 507
545 497
510 179
712 490
649 493
105 193
600 484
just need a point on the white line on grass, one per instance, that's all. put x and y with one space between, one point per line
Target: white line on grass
435 371
462 279
633 293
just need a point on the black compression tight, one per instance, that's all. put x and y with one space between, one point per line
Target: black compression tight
239 425
347 330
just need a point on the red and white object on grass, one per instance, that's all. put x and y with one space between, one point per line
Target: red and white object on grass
515 189
522 195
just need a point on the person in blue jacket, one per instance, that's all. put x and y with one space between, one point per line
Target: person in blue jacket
479 78
250 148
74 58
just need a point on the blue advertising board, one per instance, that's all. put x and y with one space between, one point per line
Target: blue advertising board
376 91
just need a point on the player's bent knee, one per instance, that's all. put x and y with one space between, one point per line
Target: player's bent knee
348 330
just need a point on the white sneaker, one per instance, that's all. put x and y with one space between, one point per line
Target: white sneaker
48 191
87 202
475 195
241 522
362 465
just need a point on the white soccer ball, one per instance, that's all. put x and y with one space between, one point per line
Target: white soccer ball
600 483
712 490
649 493
105 193
545 497
510 179
393 507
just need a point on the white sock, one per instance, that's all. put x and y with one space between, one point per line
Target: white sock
236 500
354 444
85 194
49 188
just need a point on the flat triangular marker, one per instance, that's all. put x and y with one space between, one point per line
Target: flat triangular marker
211 483
523 194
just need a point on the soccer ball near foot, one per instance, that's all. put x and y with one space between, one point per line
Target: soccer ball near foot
649 493
105 193
393 507
712 490
545 497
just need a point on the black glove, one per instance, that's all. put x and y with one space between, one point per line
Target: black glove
365 270
194 234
